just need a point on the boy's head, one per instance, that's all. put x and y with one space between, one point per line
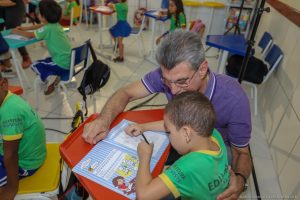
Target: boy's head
3 88
189 113
50 10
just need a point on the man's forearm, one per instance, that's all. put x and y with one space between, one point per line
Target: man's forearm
114 106
7 3
241 162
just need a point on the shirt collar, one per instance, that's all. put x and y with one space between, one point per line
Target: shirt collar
210 89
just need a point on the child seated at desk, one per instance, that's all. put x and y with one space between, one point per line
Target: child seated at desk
202 172
66 18
22 141
122 28
51 70
177 17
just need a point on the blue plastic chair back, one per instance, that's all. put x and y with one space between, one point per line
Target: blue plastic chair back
81 53
273 56
265 40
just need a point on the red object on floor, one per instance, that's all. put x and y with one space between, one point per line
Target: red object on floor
15 89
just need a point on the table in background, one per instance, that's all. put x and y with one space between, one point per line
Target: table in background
235 44
74 148
153 14
100 13
14 44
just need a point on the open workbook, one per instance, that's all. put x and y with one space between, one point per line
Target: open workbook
113 162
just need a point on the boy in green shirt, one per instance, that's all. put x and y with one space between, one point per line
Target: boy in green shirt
22 141
53 69
202 172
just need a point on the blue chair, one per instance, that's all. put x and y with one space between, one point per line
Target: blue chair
265 43
272 60
80 54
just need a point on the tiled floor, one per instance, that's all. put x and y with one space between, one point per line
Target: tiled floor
134 67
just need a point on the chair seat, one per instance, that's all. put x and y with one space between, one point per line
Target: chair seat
47 177
135 30
16 89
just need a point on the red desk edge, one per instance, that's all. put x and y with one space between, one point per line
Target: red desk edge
74 148
15 89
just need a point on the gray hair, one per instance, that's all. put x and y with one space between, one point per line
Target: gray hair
180 46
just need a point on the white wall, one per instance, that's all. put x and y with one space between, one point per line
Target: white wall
279 102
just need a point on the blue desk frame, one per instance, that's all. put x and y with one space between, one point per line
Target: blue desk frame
235 44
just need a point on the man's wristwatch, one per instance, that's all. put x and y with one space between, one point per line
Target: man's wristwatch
244 179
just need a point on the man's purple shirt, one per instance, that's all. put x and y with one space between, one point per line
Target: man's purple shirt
229 100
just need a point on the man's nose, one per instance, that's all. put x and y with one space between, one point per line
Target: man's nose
174 89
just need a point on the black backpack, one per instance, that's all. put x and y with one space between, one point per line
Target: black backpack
94 78
255 72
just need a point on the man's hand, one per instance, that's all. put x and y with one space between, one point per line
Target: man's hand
95 131
144 151
236 187
134 130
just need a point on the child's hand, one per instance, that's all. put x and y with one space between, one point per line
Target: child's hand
134 130
15 31
145 150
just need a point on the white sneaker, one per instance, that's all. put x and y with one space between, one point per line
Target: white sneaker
52 82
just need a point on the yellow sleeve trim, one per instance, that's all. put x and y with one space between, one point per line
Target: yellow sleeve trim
170 185
12 137
212 153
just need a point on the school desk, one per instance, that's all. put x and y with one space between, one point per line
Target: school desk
102 11
235 44
74 148
153 14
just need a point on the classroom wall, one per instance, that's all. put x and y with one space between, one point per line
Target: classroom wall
279 102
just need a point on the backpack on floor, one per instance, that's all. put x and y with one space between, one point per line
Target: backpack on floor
94 78
255 72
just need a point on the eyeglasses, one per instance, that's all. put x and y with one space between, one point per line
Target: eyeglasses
182 83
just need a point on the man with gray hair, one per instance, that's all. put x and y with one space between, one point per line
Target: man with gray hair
183 67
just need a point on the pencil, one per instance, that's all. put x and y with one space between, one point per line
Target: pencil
145 138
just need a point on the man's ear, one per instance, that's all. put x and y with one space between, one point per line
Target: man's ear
4 85
187 133
203 69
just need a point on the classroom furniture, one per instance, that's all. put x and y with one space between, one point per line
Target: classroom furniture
44 183
1 21
272 60
80 54
137 33
212 5
235 44
102 11
154 16
74 148
265 43
14 44
15 89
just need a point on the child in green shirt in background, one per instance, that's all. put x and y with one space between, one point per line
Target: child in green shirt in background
66 18
177 17
57 67
202 172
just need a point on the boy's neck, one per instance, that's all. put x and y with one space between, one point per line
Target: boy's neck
200 143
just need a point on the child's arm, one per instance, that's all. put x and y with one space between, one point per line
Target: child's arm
137 129
10 159
23 33
7 3
146 187
112 6
28 28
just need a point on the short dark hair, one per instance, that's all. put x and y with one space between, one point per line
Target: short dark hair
192 109
50 10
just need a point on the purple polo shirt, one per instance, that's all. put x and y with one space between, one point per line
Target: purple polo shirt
230 102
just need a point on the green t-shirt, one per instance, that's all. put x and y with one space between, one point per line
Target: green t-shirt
58 44
199 175
68 9
18 121
122 10
181 22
